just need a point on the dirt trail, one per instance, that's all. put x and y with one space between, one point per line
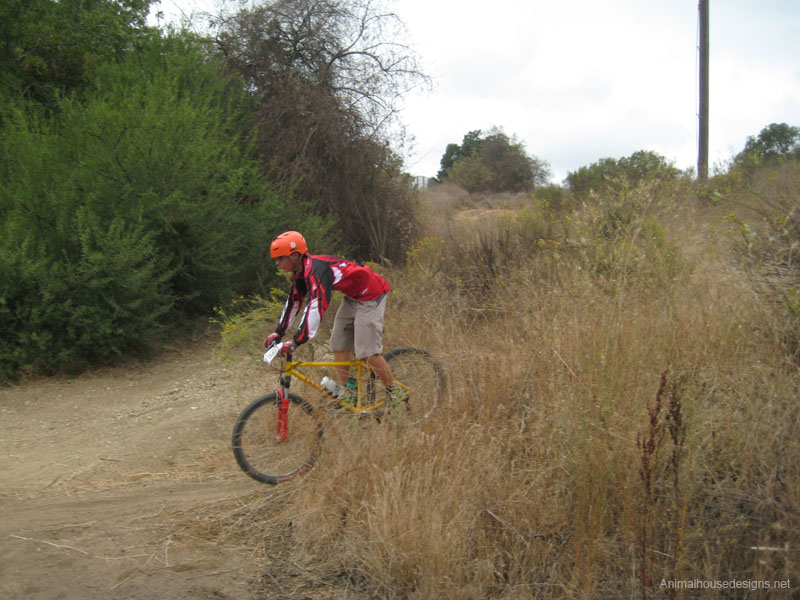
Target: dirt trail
97 471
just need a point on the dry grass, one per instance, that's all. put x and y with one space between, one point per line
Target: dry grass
620 412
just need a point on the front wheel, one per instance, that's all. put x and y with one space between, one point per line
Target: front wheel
277 437
423 383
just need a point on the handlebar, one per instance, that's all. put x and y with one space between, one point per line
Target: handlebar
273 351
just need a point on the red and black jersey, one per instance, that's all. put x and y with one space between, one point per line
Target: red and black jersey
319 277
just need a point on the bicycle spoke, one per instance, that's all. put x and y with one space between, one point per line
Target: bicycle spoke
421 379
274 440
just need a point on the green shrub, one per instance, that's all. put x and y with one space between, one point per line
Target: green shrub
130 209
608 176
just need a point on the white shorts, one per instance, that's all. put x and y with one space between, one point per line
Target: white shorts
358 327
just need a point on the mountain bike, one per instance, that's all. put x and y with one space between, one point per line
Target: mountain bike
279 435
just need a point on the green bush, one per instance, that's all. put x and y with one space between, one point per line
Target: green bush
130 209
492 162
609 176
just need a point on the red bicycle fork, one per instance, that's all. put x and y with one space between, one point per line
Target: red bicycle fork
283 415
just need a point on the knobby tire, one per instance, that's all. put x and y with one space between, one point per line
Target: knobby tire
421 373
257 443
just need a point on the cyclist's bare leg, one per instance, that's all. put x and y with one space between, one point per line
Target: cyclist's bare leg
381 368
376 361
342 373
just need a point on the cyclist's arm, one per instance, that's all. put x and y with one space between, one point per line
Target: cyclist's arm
293 303
319 282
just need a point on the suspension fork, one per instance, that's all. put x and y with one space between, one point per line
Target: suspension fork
283 406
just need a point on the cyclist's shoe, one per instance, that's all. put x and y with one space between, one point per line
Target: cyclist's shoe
396 394
347 396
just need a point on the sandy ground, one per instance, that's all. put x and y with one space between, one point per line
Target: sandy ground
99 473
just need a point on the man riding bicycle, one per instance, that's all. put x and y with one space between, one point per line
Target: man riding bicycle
358 324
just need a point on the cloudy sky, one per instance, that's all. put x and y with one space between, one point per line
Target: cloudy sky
579 80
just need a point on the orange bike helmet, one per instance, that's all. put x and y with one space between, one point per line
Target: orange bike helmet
286 243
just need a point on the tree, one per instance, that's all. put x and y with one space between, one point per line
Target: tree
775 141
470 145
350 48
510 164
327 75
471 174
608 174
49 47
595 177
492 163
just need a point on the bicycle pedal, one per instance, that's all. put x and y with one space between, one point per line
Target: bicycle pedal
347 398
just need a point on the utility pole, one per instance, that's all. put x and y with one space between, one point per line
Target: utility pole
702 150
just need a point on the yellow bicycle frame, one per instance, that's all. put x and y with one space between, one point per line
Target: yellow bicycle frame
291 370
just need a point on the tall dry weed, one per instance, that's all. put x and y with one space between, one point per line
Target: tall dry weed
618 416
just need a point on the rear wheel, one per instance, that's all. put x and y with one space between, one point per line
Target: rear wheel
422 381
275 440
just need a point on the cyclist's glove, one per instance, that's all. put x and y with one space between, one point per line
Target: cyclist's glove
272 337
288 347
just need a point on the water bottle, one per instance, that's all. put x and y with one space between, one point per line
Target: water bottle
330 386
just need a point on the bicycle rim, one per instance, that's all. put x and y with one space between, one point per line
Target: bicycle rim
272 444
423 381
